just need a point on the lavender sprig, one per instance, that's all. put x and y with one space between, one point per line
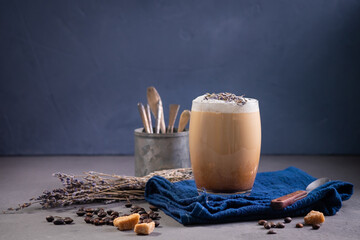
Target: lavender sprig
100 187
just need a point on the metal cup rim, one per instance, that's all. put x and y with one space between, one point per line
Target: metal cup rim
139 132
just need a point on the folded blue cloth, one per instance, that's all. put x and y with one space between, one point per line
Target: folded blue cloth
181 200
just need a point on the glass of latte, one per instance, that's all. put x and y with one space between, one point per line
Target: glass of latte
225 141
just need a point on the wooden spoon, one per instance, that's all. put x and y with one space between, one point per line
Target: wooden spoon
143 117
153 98
158 117
174 109
148 115
184 119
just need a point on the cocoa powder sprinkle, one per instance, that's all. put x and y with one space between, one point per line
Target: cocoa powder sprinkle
226 97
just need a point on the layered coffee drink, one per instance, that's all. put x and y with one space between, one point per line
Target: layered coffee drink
225 141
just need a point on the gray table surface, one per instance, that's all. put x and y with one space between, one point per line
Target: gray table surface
25 177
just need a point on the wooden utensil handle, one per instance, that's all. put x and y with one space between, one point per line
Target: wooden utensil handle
287 200
144 117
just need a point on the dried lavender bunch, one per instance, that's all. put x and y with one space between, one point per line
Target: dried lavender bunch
227 97
100 187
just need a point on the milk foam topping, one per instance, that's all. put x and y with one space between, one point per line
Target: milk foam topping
205 104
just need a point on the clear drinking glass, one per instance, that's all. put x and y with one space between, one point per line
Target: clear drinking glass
225 144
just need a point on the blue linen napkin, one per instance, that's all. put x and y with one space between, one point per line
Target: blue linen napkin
182 202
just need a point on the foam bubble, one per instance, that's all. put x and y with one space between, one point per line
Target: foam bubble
200 104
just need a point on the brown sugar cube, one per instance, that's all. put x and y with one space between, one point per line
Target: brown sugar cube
314 217
144 228
126 222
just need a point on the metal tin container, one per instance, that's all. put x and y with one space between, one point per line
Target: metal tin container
160 151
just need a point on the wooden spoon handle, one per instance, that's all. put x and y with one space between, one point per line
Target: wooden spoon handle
287 200
162 120
143 117
148 114
158 117
184 119
174 109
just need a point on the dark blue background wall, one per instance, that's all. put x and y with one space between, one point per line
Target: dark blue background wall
72 72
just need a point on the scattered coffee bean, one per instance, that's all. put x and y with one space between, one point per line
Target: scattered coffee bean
287 220
128 204
271 232
316 226
147 220
272 224
49 218
91 210
114 213
280 225
59 221
97 222
157 223
109 211
68 220
262 222
102 214
144 216
99 210
89 214
80 213
154 216
267 225
88 219
154 208
108 221
299 225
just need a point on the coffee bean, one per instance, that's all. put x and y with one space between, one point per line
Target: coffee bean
154 216
128 205
267 225
157 223
153 208
49 218
91 210
88 219
109 211
68 220
59 221
147 220
96 211
271 232
80 213
262 222
114 213
280 225
272 224
97 222
287 220
102 214
144 216
89 214
316 226
299 225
